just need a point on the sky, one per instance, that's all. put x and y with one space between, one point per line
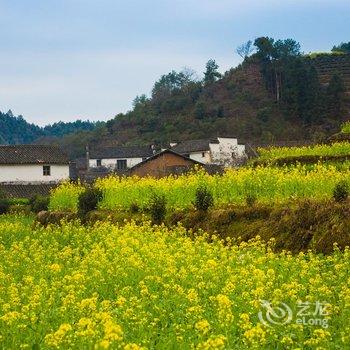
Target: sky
88 59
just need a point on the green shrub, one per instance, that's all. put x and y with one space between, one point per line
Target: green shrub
19 201
4 203
204 198
157 208
341 191
134 208
88 200
39 203
250 199
345 128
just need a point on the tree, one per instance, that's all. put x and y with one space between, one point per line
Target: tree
284 49
139 101
245 49
265 47
170 83
211 73
200 110
274 55
335 96
342 47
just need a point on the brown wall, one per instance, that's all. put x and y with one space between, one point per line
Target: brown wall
161 166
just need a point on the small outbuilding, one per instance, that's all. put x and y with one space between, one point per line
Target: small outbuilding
164 163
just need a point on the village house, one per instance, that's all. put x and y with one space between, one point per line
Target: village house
164 163
32 164
224 151
118 157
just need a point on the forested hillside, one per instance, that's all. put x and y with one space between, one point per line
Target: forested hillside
16 130
277 93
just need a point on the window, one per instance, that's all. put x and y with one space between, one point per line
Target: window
46 170
98 162
121 164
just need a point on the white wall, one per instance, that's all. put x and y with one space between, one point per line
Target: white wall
112 163
198 156
226 151
32 173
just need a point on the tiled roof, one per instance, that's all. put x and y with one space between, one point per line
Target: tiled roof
32 154
26 190
193 146
156 155
121 152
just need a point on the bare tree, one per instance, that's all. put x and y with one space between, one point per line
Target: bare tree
190 74
245 49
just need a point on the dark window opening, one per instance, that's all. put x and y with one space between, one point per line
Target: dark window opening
46 170
121 164
98 162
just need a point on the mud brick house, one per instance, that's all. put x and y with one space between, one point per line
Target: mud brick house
164 163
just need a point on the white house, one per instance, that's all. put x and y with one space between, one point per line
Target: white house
33 164
221 150
118 157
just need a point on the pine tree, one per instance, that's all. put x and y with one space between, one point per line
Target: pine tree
211 74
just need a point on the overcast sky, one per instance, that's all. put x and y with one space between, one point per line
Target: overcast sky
69 59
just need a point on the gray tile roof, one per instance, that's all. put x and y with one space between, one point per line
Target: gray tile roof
189 146
32 154
26 190
121 152
158 154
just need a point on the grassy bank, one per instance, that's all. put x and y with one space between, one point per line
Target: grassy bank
297 225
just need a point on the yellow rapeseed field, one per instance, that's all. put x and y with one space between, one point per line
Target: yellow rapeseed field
265 183
142 287
334 149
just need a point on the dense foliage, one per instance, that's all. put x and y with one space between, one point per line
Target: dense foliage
15 130
343 48
88 200
266 183
143 287
39 203
294 82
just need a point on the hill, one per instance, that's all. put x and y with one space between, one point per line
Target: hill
276 94
16 130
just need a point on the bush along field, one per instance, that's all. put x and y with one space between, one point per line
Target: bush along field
150 287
